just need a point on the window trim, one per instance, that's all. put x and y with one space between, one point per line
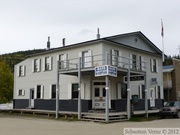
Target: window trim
47 61
51 90
63 61
38 65
74 91
86 59
21 73
22 92
154 65
116 59
41 92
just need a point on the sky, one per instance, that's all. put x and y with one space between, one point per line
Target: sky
26 24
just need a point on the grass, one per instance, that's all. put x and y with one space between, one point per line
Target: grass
52 117
144 118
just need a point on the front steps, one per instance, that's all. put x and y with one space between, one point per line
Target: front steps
100 117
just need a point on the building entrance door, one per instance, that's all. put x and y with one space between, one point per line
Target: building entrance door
99 97
152 97
31 98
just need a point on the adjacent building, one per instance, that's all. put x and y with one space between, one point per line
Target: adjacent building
35 78
171 77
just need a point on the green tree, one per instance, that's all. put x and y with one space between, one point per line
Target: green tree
6 83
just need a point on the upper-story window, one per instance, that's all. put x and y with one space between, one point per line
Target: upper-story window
21 70
63 61
137 62
36 65
86 58
134 61
154 65
47 63
116 58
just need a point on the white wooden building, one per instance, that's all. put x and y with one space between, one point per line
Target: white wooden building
35 78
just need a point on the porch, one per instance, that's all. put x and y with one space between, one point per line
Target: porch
88 65
95 117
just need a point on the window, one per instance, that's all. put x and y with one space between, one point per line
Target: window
134 62
142 91
115 55
36 65
157 92
62 61
154 65
39 92
141 63
124 90
97 92
21 92
62 58
48 63
116 58
86 58
74 91
53 91
104 92
21 70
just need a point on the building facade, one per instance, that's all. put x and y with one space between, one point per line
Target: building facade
171 75
35 78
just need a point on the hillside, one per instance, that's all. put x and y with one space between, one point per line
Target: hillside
13 58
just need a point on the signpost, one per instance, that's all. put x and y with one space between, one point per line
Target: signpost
106 70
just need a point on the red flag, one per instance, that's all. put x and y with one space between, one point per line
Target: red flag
162 31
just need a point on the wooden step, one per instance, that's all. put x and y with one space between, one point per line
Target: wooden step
101 118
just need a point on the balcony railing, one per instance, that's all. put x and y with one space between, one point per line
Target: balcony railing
99 60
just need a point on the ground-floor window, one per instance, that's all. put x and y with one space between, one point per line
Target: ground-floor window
75 91
21 92
123 90
141 91
39 91
53 91
157 92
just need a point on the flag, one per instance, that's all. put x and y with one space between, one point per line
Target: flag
162 29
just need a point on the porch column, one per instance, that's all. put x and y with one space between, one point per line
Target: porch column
107 99
128 92
79 89
107 93
146 91
57 91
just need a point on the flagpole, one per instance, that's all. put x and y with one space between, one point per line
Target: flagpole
162 34
162 48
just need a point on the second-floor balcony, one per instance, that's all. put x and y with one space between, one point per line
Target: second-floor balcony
88 63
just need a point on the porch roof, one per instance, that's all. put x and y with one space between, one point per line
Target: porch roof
168 69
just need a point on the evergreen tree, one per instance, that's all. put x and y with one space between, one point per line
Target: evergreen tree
6 83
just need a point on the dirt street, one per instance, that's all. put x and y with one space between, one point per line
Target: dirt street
35 126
